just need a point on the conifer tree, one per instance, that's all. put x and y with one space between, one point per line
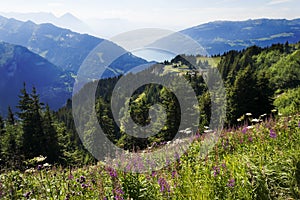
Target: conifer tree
52 147
10 117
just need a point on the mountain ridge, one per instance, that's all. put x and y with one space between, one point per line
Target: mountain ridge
221 36
18 65
62 47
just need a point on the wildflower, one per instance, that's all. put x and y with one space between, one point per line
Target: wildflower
153 174
216 171
46 165
208 131
31 170
248 114
255 120
112 172
40 159
39 167
82 179
244 130
223 165
263 115
231 183
119 193
27 194
250 139
250 127
84 186
174 173
164 186
70 177
299 124
273 134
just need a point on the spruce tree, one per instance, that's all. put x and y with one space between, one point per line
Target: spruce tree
29 114
51 139
10 117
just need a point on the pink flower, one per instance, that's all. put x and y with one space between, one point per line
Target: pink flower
273 134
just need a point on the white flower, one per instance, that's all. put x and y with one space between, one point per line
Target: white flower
255 120
263 115
248 114
46 165
208 131
31 170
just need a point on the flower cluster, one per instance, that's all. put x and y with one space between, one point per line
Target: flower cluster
231 183
164 185
273 134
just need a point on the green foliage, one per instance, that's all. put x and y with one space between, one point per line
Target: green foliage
238 167
288 103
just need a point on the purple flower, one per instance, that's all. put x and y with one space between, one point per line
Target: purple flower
231 183
250 139
112 172
299 124
177 156
70 177
223 165
84 186
119 193
164 186
273 134
117 197
153 174
216 171
82 179
174 173
244 130
27 194
39 167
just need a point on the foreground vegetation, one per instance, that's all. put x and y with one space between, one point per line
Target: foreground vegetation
261 161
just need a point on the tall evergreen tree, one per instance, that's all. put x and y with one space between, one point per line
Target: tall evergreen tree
33 140
10 117
52 148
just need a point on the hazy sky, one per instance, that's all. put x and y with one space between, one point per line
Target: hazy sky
172 14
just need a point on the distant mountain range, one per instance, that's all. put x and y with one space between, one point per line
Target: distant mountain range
222 36
19 65
48 57
62 47
67 20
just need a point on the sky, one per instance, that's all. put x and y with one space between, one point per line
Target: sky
171 14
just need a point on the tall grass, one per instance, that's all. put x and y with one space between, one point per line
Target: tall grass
261 161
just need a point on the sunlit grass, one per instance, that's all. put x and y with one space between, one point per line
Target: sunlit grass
258 162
